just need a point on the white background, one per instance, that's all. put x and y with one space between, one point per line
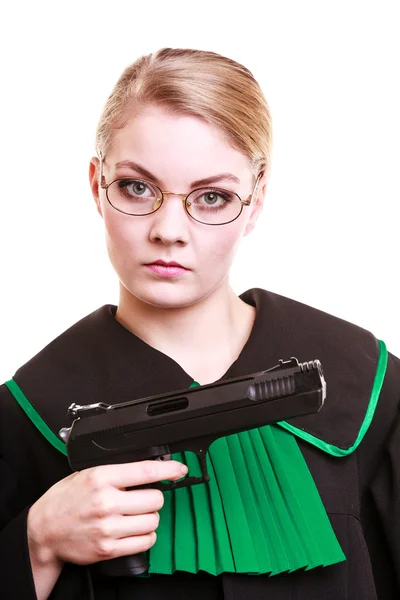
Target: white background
328 236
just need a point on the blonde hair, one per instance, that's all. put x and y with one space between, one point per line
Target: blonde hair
204 84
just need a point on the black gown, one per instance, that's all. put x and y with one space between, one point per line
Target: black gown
99 360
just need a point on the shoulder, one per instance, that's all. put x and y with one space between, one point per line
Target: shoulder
49 382
300 320
362 376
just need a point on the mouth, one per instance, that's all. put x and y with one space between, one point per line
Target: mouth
167 264
167 269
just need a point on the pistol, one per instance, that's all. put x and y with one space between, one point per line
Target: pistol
187 420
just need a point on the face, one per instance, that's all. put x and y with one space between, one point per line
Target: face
177 150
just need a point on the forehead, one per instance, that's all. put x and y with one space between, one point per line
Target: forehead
171 144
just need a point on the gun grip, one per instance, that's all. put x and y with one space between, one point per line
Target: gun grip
124 566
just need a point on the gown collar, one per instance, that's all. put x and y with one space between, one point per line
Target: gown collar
118 366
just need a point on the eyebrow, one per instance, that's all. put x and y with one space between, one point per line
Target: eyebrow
198 183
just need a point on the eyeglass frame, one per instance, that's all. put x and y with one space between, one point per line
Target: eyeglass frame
104 185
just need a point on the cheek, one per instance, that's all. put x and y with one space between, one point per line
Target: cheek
222 244
121 236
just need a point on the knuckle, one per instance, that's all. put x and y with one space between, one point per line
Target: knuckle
149 540
94 478
105 548
153 521
102 506
158 501
102 530
149 470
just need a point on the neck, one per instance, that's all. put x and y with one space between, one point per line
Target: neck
204 338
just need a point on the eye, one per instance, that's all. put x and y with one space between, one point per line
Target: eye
211 198
136 188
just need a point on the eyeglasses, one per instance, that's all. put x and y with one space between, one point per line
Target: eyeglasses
138 197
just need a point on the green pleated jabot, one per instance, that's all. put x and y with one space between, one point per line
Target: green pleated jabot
260 513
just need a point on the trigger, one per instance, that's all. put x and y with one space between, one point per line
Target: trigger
203 464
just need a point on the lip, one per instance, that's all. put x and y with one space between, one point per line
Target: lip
167 264
167 270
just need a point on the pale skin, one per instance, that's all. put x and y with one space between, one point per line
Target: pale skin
196 319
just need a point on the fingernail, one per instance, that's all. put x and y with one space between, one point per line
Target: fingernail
184 469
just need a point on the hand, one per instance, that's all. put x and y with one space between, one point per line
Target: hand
90 516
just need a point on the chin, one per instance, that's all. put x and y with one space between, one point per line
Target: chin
165 295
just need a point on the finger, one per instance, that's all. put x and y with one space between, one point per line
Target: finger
128 545
128 526
138 502
135 473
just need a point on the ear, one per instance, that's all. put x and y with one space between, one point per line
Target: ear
94 173
257 203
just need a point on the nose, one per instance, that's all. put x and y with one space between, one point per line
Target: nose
170 223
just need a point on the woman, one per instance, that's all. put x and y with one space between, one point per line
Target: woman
303 509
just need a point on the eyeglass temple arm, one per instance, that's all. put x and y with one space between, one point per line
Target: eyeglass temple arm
250 198
103 182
